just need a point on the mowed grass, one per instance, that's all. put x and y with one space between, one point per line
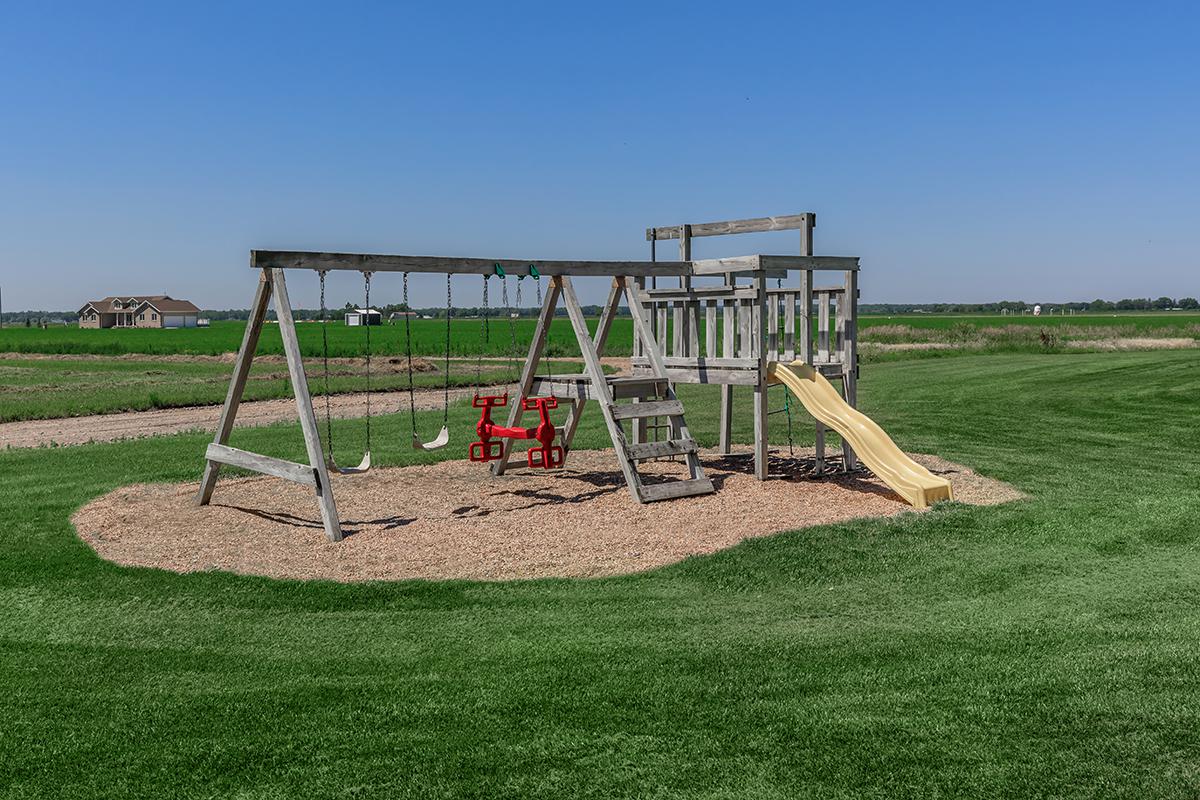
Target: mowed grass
1046 648
467 338
33 388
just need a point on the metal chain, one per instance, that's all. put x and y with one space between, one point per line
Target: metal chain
486 334
549 374
325 352
512 327
446 379
367 289
412 402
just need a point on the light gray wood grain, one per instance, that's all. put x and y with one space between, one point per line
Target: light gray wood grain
308 420
237 385
728 227
288 470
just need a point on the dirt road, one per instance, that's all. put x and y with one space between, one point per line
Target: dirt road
162 422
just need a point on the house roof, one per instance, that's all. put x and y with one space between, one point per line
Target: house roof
161 302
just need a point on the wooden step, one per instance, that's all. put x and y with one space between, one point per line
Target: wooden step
667 447
579 387
656 408
668 491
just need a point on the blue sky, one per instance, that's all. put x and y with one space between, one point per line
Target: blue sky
965 151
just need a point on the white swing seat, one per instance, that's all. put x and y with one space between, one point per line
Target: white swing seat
443 439
362 467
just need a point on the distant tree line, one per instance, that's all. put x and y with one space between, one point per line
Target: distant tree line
1017 306
36 318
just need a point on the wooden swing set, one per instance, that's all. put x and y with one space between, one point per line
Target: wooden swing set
757 325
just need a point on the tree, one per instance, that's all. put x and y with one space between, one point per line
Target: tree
1190 303
1164 304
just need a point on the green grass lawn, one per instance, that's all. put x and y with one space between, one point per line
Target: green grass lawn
1046 648
32 388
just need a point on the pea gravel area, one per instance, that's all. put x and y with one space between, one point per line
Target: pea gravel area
454 520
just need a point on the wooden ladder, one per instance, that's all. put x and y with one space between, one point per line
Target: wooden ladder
650 395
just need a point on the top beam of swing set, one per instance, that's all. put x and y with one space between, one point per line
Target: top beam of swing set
774 266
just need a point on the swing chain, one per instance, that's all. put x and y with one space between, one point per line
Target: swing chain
512 327
325 365
412 402
446 369
367 292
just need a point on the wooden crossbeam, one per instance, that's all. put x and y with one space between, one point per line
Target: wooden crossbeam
755 225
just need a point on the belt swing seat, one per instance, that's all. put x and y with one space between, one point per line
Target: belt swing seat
443 437
365 464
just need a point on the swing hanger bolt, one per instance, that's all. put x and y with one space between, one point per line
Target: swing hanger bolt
533 272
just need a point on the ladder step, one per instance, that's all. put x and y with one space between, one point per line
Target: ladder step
668 447
669 491
657 408
579 387
637 386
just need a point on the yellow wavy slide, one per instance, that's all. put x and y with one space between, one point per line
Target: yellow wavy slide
874 447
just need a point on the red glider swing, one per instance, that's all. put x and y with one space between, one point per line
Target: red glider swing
488 448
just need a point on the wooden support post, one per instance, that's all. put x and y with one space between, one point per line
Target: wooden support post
308 419
529 371
761 410
237 385
850 355
639 425
728 350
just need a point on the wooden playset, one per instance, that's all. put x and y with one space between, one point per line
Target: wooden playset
753 334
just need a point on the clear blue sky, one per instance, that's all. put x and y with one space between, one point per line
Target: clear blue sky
965 151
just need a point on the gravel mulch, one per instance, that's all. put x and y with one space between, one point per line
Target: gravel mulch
453 520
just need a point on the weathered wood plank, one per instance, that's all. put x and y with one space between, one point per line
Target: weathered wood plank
710 329
699 293
255 462
237 384
304 406
674 489
667 447
789 326
373 262
701 361
735 226
592 361
713 376
655 408
775 266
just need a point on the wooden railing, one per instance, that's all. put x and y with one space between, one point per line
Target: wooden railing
707 333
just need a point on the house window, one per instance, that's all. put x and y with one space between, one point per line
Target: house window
141 316
154 316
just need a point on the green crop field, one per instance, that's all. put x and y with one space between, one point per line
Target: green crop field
1013 333
1044 648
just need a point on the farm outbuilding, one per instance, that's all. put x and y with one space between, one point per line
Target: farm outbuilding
364 316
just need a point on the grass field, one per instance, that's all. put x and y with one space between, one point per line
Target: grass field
32 388
1012 334
1047 648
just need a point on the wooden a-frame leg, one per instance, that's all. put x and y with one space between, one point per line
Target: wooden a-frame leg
603 328
600 390
304 406
237 385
